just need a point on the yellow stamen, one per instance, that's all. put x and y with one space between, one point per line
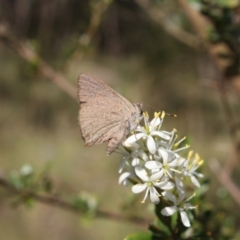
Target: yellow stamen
156 114
146 114
162 114
197 156
176 144
190 154
200 162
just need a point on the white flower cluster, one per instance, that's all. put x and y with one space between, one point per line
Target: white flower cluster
151 162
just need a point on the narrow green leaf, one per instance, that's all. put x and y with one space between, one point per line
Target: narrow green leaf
139 236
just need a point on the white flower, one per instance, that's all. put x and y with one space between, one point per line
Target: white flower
190 166
180 187
148 133
169 161
133 158
152 158
180 205
150 183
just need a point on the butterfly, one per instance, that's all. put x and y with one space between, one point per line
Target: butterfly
105 115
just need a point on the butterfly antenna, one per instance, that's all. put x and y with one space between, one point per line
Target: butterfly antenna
169 114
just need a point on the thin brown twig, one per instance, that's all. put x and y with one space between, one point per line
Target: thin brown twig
199 24
169 27
60 203
30 55
228 113
97 9
225 180
232 129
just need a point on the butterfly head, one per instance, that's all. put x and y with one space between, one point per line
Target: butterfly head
138 111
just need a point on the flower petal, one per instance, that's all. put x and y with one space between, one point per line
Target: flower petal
195 181
135 162
143 155
184 218
154 196
122 164
164 155
168 186
131 146
151 145
156 176
142 173
170 197
173 163
139 188
133 138
180 187
123 177
168 211
153 165
145 196
160 134
155 122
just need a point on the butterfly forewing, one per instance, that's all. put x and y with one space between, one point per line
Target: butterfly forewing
104 114
91 88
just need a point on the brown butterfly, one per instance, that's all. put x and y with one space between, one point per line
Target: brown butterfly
105 115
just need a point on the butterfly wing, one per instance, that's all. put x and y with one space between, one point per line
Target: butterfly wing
91 88
97 125
104 114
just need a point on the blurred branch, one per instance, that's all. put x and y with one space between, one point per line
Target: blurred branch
200 23
30 55
232 130
98 8
225 180
60 203
172 29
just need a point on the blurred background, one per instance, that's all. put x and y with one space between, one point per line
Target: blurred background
124 44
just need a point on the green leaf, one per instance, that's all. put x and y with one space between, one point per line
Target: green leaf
29 202
158 232
228 3
147 236
202 190
139 236
85 202
15 180
166 220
